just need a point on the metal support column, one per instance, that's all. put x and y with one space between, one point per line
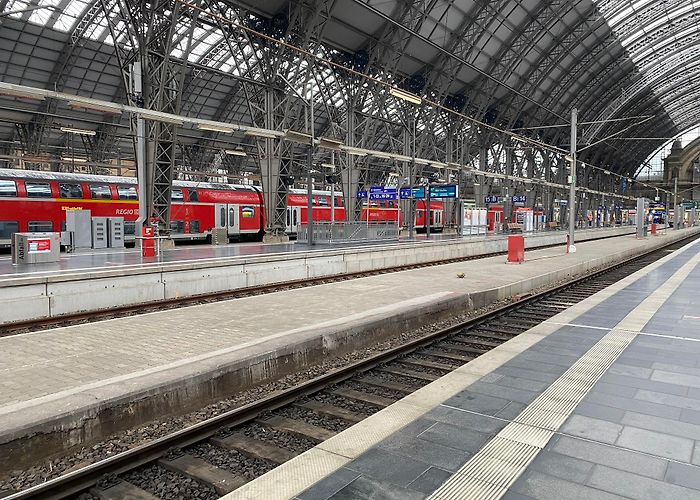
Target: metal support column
572 180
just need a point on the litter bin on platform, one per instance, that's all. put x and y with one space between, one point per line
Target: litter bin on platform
148 242
516 249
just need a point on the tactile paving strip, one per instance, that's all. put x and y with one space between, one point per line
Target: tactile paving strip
489 473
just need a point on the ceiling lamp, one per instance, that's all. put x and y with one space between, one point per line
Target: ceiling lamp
78 131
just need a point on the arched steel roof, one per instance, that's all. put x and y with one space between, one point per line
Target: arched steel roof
512 63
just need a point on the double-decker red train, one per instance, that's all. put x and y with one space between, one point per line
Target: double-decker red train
34 201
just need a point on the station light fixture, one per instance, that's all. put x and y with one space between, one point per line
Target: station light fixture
102 108
78 131
406 96
262 132
296 136
162 117
383 154
235 152
71 159
22 93
329 166
355 151
454 166
327 143
215 128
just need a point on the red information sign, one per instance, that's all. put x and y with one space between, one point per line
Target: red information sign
42 245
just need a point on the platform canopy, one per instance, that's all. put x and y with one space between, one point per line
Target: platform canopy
479 67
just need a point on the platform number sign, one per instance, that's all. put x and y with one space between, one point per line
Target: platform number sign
518 198
492 199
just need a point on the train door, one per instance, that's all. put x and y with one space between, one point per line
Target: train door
227 216
293 218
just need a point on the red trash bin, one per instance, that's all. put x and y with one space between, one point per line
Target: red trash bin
653 229
148 243
516 249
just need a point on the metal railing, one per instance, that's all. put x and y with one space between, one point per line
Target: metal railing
348 232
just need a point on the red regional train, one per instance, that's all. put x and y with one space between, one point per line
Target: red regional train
35 201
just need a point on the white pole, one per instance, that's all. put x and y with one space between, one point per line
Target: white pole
572 181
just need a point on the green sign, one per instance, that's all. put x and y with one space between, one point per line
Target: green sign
691 204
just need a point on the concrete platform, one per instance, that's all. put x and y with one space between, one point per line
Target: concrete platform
601 401
71 385
105 280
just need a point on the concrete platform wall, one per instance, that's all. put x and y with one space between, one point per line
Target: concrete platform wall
23 299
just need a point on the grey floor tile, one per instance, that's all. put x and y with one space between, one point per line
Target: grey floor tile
329 485
478 403
467 419
628 359
499 391
611 456
656 443
639 383
511 411
690 416
696 454
513 495
365 488
631 370
541 367
389 467
593 410
427 450
430 480
614 389
676 378
516 382
544 487
668 399
636 405
638 487
537 357
667 367
515 371
455 437
591 428
684 475
561 466
663 425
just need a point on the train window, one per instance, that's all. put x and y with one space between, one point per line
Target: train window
70 191
338 202
231 217
129 228
323 201
100 192
38 190
194 226
8 188
294 221
193 195
43 226
177 226
176 195
289 216
127 193
7 228
223 217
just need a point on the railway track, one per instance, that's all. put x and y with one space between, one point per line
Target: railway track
144 308
218 455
